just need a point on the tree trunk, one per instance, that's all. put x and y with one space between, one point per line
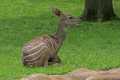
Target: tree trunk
90 11
106 11
98 9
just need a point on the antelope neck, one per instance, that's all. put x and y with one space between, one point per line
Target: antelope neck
60 33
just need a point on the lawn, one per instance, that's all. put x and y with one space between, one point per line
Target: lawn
93 45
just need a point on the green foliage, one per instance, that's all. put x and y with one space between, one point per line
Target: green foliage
90 45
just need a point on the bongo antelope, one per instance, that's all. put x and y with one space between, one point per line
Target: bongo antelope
43 50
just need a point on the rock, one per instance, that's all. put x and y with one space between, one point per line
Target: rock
82 73
79 74
37 77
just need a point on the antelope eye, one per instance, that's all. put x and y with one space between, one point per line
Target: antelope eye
70 17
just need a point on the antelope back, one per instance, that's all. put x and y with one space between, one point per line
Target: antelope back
39 50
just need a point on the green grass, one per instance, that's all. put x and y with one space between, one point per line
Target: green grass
91 45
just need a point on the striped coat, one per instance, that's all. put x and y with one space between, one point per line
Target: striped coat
39 51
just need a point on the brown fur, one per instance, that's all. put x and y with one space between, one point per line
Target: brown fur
45 55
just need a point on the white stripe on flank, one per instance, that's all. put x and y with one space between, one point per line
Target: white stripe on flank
36 47
35 58
32 54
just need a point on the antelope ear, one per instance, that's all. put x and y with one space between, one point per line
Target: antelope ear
56 12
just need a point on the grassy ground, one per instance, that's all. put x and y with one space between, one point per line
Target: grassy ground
91 45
